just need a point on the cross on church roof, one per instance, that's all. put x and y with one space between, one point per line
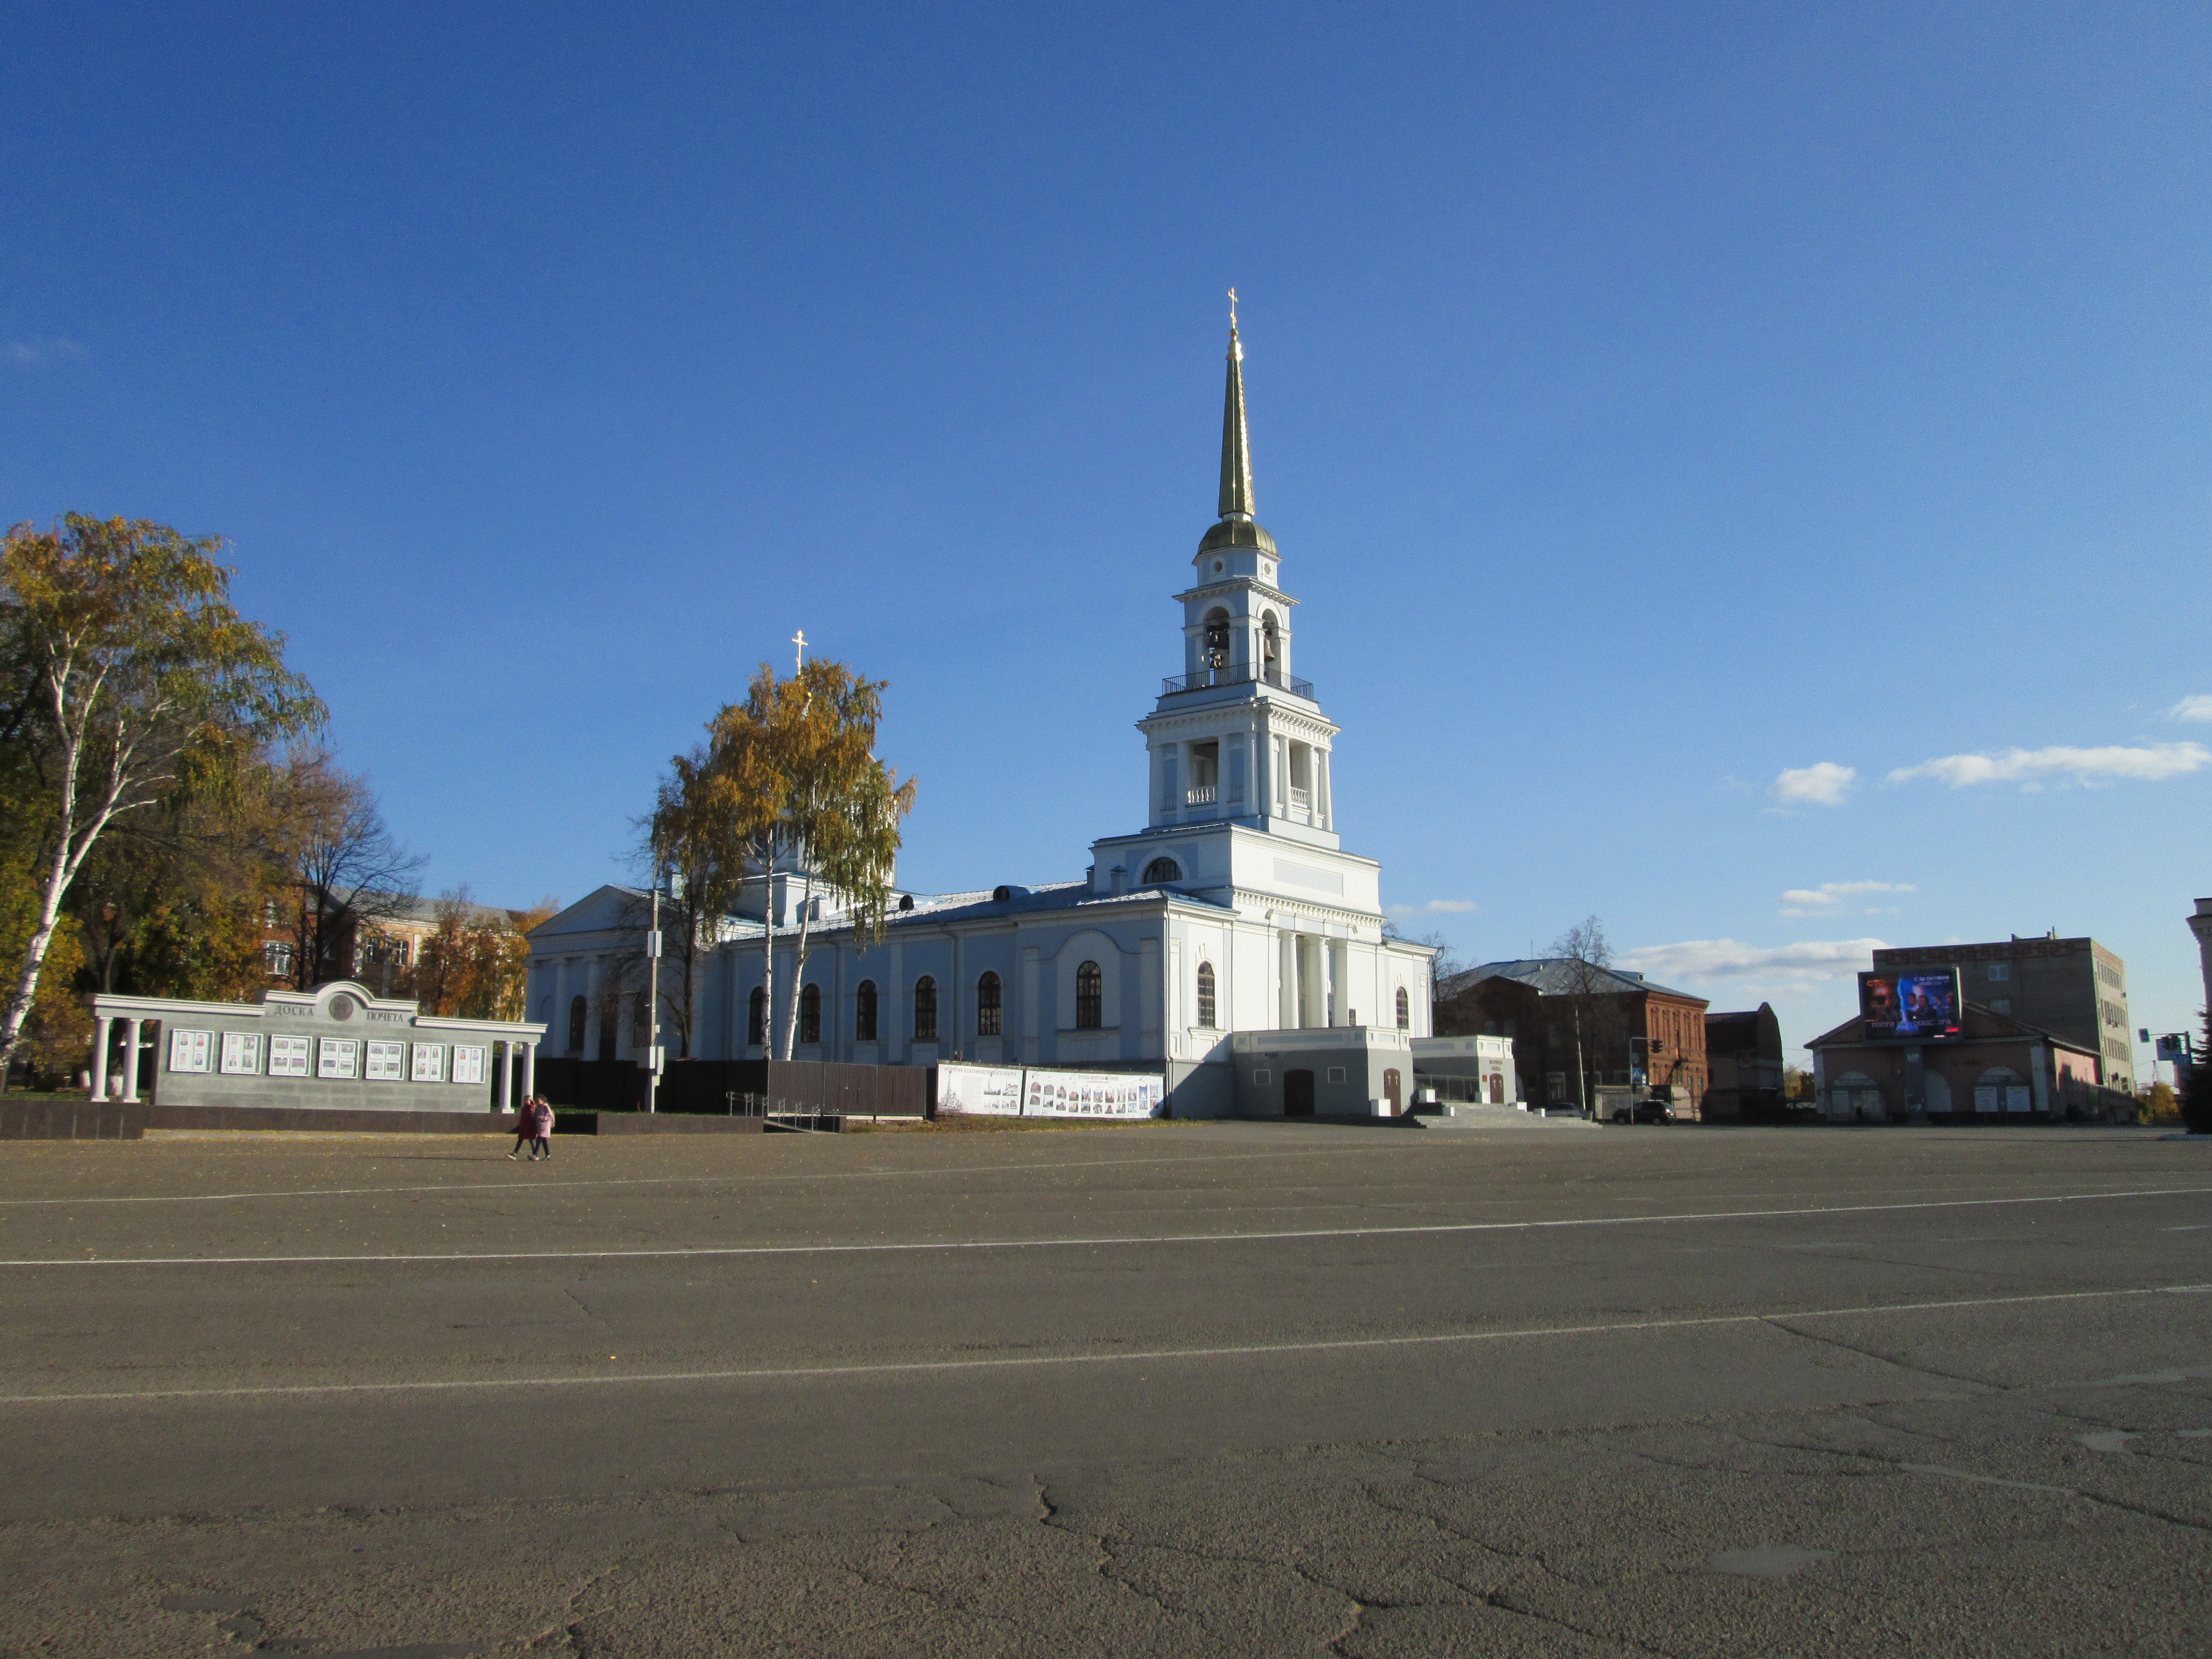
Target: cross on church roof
799 640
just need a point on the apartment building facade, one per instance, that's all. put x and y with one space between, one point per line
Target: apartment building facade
2074 988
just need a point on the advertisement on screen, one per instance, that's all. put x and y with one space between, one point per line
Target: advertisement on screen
1916 1006
995 1090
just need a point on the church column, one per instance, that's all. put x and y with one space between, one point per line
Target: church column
1339 984
1030 970
1286 984
1324 806
895 1011
1173 1022
506 1075
1151 1003
529 1070
102 1027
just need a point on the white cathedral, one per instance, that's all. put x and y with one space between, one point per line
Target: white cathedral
1230 944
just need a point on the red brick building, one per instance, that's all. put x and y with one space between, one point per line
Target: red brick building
1577 1028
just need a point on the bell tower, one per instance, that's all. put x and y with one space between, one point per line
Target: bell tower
1237 738
1267 923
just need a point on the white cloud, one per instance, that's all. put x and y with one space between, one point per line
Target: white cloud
1821 784
2034 766
1731 958
1823 899
2192 709
1437 908
29 354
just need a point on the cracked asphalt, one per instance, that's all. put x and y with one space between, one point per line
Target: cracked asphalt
1159 1389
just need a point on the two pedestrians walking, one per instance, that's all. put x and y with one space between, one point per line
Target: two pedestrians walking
533 1128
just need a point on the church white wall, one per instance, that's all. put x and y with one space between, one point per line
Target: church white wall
1149 952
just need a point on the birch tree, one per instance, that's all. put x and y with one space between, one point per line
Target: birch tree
1587 956
141 682
689 844
842 808
788 784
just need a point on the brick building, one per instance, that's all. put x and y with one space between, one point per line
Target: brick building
2074 988
373 949
1557 1011
1999 1070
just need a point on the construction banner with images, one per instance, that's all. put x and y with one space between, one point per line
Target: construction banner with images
1090 1094
994 1089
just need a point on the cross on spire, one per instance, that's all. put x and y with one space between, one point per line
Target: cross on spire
799 640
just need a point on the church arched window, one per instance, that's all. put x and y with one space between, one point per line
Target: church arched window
1090 998
925 1009
580 1013
1163 870
987 1016
1405 1010
1270 648
756 1021
1206 995
864 1012
810 1014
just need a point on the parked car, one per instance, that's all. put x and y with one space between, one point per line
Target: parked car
1645 1111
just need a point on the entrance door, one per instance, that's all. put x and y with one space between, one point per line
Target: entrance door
1297 1094
1498 1088
1390 1092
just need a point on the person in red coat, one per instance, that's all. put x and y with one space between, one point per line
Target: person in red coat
533 1127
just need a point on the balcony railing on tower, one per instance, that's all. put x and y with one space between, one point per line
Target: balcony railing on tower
1241 673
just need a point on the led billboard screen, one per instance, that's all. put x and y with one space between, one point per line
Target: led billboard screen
1920 1004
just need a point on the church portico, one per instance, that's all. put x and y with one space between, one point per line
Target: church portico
1232 912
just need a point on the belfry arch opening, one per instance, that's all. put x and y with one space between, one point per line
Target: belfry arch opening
1271 649
1214 639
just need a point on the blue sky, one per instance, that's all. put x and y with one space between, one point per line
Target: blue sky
1661 410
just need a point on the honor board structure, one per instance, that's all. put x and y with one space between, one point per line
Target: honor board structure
338 1047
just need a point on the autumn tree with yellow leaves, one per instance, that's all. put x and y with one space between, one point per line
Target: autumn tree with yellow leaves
787 784
131 685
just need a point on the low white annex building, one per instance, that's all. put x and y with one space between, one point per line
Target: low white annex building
1233 910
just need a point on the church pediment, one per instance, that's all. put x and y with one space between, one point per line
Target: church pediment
607 909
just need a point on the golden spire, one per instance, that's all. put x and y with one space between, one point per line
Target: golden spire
1236 440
